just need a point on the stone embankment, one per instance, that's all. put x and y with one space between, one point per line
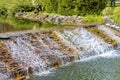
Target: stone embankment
64 20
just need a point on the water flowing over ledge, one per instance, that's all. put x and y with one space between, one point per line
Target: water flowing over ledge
33 52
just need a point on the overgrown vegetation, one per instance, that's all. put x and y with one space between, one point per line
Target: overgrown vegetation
107 11
116 19
93 18
113 13
75 7
3 11
13 6
90 8
64 7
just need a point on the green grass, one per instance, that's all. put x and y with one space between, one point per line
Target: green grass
45 13
114 11
107 11
93 18
116 19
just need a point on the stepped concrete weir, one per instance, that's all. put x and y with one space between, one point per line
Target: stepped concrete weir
27 53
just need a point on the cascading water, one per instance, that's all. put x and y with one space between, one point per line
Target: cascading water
37 52
87 42
111 33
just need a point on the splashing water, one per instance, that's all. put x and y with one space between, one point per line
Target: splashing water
38 52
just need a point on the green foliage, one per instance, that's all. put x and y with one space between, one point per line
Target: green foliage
116 11
107 11
14 6
75 7
67 7
3 11
116 19
64 7
22 8
91 6
93 18
50 5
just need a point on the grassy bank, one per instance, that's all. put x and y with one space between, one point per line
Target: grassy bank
113 13
93 18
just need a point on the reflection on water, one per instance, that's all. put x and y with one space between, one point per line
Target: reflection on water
9 24
4 27
102 67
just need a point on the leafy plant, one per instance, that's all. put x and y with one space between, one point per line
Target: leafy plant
116 11
107 11
116 19
3 11
93 18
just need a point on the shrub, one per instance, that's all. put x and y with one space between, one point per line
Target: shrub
93 18
22 8
116 19
50 5
75 7
3 11
91 6
107 11
67 7
116 11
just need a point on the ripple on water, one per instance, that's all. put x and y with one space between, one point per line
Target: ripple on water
101 67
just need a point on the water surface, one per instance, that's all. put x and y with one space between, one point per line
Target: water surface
102 67
5 27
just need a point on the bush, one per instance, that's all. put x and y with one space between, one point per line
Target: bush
93 18
116 19
50 6
91 6
67 7
3 11
116 11
75 7
22 8
107 11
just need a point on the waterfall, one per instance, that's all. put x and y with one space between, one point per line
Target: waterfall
112 33
88 43
32 53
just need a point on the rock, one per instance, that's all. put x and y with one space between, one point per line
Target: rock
58 20
19 14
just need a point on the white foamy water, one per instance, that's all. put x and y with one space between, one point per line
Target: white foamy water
30 50
109 54
111 33
88 43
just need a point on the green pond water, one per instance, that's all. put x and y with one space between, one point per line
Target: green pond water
102 67
11 24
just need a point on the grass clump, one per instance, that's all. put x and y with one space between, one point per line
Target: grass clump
107 11
101 34
116 19
94 18
116 11
3 11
